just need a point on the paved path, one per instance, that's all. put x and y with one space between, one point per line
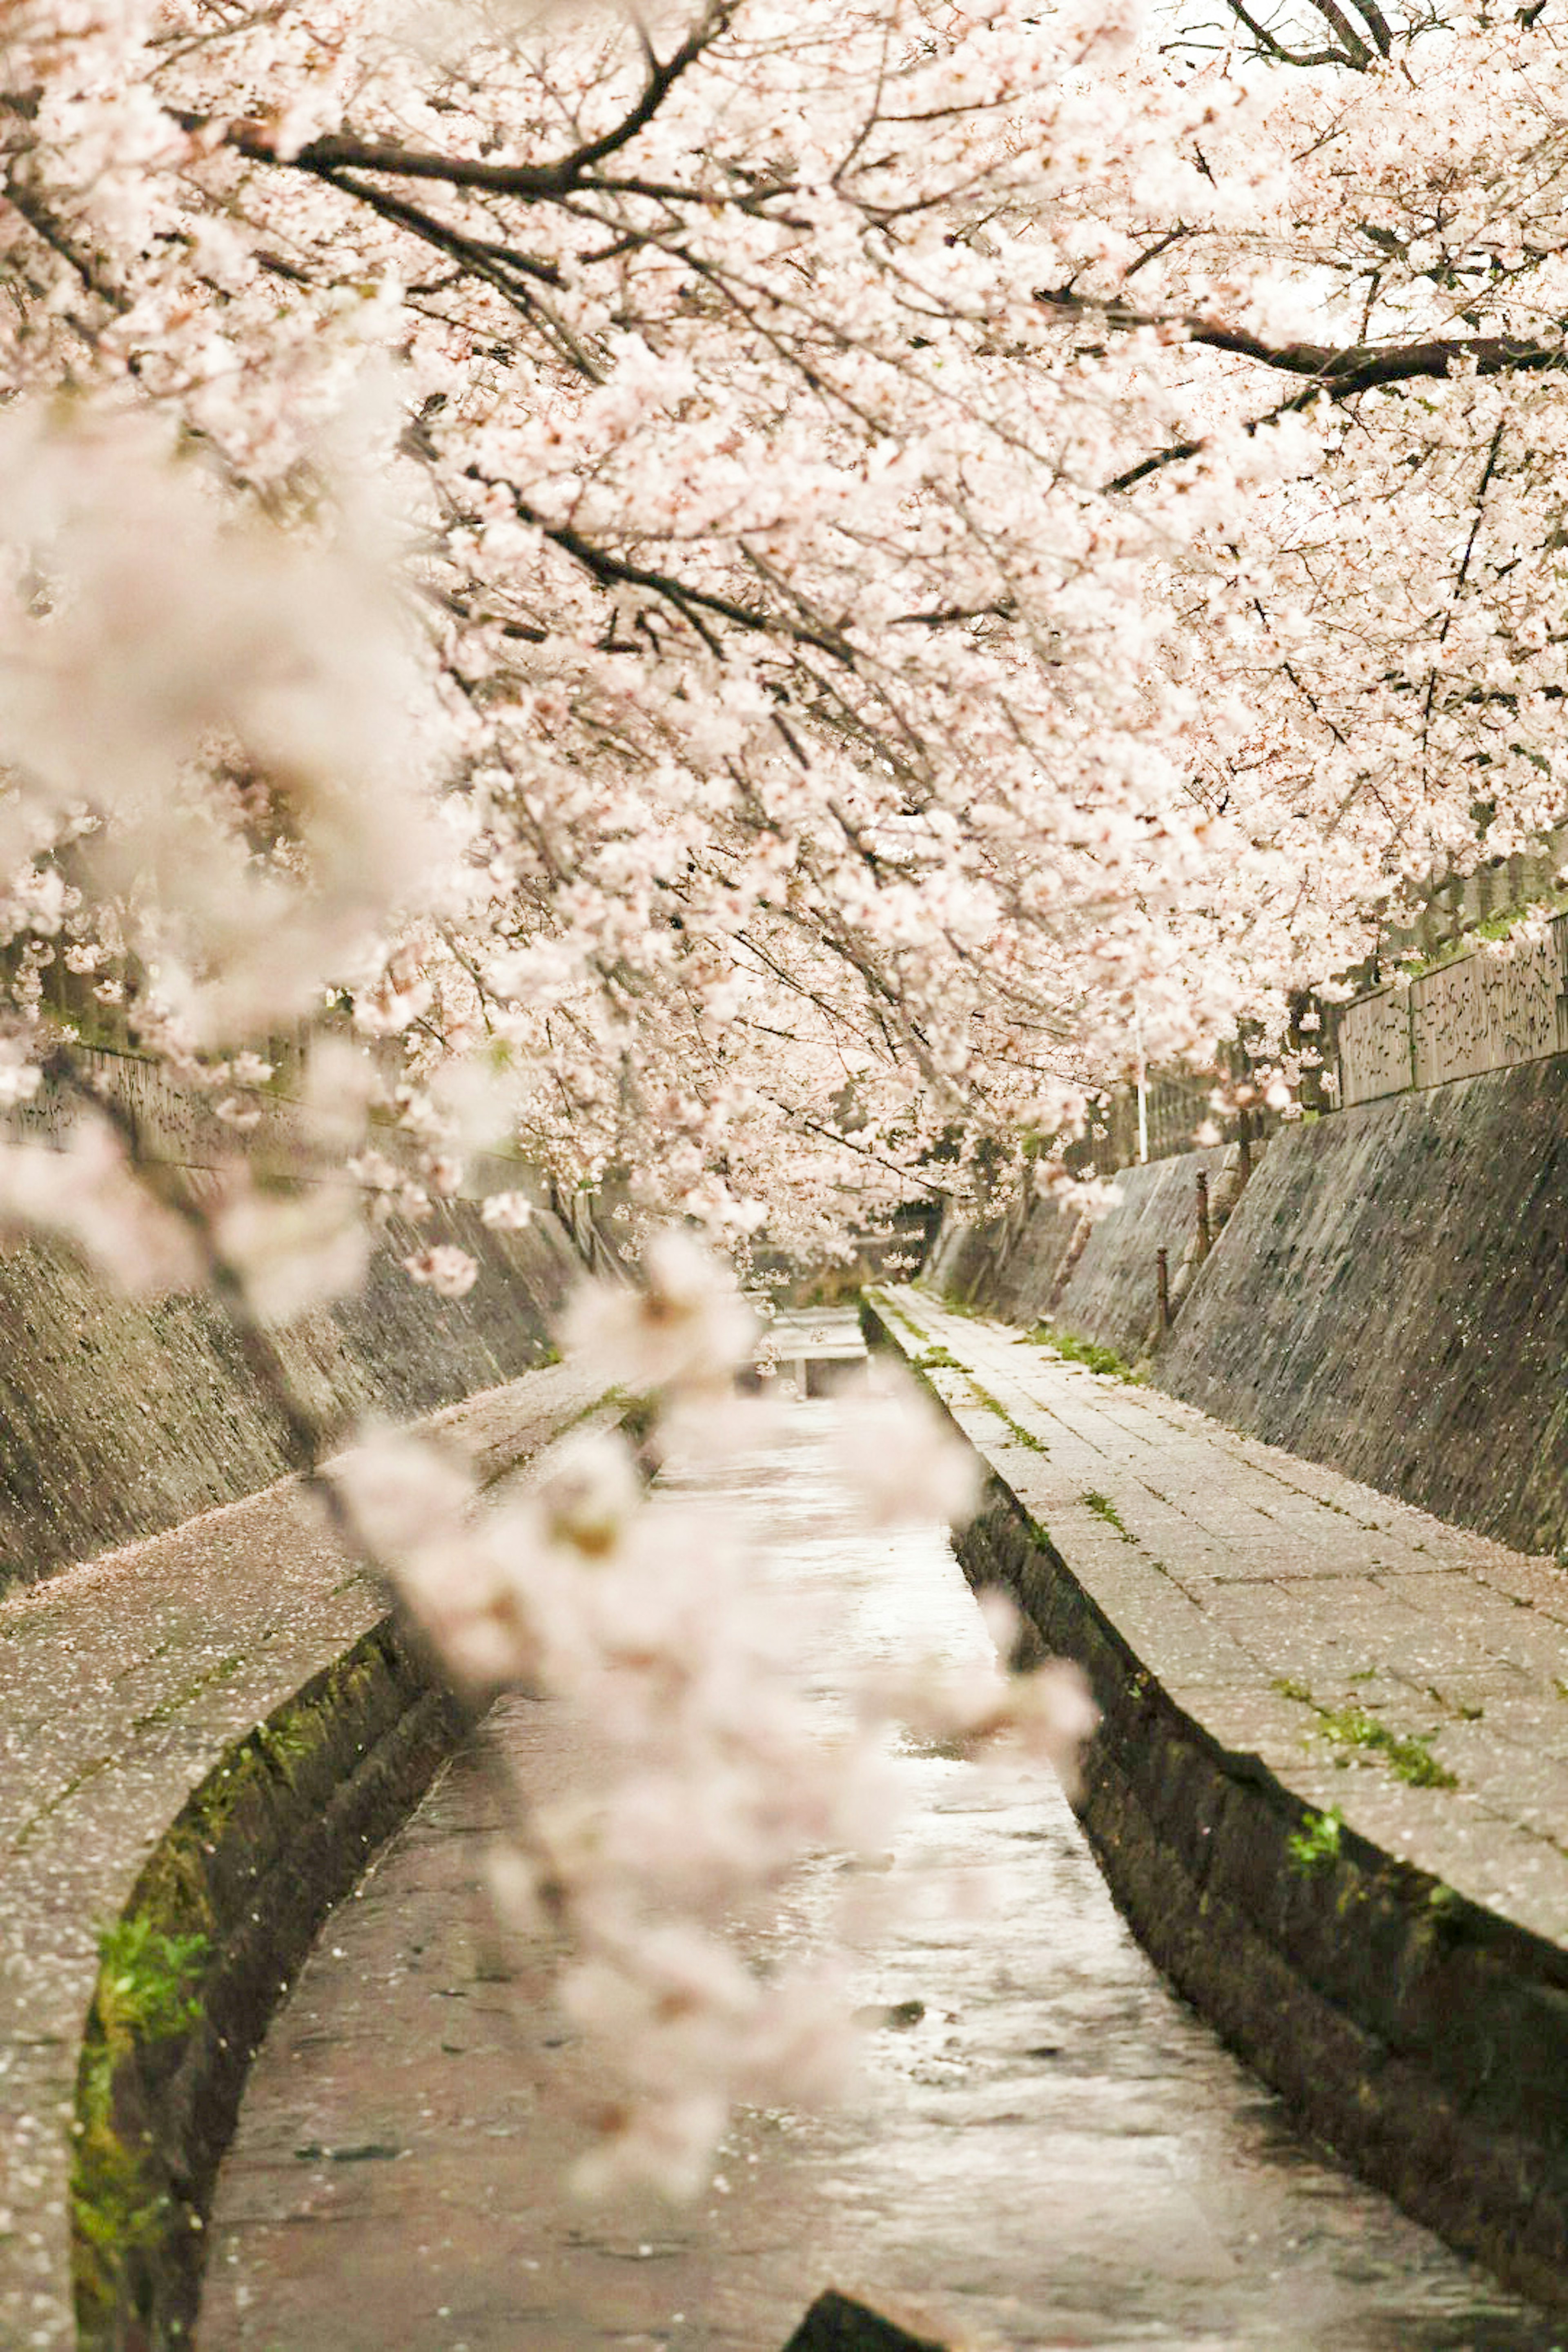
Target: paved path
1046 2149
1294 1613
121 1685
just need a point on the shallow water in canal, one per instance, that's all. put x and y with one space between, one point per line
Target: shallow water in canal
1045 2150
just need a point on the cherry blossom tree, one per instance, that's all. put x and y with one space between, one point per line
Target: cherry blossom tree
918 535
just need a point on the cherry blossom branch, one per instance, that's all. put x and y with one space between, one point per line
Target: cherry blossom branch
341 151
1341 371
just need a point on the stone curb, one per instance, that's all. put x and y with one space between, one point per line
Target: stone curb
218 1922
211 1808
1422 2035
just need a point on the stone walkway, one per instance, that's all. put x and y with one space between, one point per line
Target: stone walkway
122 1683
1407 1673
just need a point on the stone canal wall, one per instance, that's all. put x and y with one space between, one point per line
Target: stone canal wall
1347 1930
121 1417
1094 1273
205 1736
1387 1299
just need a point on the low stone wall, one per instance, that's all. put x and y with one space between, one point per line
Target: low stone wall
120 1418
204 1734
1419 2032
1424 2038
1482 1011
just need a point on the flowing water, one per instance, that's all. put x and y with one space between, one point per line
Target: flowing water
1045 2147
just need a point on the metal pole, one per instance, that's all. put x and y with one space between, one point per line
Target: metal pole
1162 1285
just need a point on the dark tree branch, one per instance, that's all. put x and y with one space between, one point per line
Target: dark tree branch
692 603
1355 54
1340 371
341 152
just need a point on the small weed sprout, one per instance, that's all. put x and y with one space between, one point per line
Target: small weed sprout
1104 1508
1316 1844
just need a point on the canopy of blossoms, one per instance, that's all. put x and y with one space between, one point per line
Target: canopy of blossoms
773 581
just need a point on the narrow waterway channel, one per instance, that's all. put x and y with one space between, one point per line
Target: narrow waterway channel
1045 2147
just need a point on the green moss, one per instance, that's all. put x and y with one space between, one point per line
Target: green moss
1104 1508
149 1996
1499 925
147 1981
1316 1844
34 1822
1074 1350
1016 1428
149 1991
177 1701
1406 1754
886 1311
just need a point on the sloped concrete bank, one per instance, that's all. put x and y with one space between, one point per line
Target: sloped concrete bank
1387 1297
1390 1298
1094 1273
121 1417
1421 2033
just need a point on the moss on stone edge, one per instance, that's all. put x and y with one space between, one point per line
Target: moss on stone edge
131 2218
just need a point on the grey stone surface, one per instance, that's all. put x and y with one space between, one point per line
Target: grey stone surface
1369 1897
1388 1298
121 1417
1385 1298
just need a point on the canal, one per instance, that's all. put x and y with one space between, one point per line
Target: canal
1043 2146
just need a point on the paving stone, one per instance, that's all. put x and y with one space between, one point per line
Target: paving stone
1279 1571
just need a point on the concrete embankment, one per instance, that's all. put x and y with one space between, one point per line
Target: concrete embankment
1386 1297
1040 2145
121 1417
1332 1781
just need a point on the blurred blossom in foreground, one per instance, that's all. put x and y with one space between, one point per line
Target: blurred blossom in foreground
696 1681
87 1194
903 1457
687 1326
